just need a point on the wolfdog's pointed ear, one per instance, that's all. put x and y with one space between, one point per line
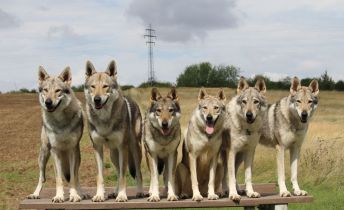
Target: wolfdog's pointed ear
66 76
314 87
111 70
221 95
295 85
173 94
202 94
90 70
155 94
242 85
260 86
42 74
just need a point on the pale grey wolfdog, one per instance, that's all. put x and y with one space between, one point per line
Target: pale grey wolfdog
285 127
115 121
61 133
244 120
162 135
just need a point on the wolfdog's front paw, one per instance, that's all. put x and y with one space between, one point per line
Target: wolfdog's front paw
121 197
58 199
183 195
235 197
300 193
140 195
32 196
153 198
197 197
98 198
253 194
172 197
213 197
74 198
285 194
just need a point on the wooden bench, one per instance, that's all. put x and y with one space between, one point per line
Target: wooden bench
269 200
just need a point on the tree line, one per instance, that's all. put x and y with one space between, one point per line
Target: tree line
206 75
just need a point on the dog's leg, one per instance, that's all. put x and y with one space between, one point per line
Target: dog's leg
294 156
233 194
99 197
239 158
196 195
123 164
171 167
44 154
59 197
154 181
211 183
248 161
224 156
114 159
281 172
139 185
74 181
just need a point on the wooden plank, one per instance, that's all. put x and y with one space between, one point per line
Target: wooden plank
269 188
142 203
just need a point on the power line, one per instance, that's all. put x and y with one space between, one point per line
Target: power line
150 36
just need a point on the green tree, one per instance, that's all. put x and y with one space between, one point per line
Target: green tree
339 85
326 82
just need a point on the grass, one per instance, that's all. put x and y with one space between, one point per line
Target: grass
321 168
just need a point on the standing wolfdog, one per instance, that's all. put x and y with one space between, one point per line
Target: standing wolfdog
201 149
61 133
286 126
162 136
114 120
245 114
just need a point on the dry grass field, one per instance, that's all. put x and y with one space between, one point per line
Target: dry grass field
321 167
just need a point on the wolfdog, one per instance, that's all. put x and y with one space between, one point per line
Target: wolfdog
201 149
244 119
114 120
162 136
285 127
61 133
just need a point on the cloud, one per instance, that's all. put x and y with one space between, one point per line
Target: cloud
63 31
7 20
180 21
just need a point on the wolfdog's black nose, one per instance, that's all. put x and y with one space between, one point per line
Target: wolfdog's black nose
304 114
249 115
164 124
48 102
97 99
209 117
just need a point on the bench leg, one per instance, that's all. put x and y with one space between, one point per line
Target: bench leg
281 207
273 207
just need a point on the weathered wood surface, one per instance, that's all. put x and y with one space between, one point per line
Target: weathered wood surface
268 191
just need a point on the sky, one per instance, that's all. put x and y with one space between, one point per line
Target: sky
276 38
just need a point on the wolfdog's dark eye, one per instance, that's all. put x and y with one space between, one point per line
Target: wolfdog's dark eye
105 86
255 101
244 101
158 110
298 101
204 107
45 90
310 101
171 110
58 90
92 86
216 107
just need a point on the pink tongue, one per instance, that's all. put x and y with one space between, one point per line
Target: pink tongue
209 130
